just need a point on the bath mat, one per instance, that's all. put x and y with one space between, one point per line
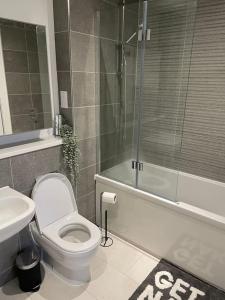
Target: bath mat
168 282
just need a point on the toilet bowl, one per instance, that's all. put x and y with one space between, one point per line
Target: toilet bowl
69 240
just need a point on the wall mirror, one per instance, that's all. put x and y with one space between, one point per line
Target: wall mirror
25 101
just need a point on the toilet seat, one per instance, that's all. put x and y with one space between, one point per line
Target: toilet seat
52 233
54 199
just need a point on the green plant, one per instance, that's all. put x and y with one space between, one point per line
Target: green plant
71 152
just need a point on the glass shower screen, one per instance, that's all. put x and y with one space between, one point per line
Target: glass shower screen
164 88
152 51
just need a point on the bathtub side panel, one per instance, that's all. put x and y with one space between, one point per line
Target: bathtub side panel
194 245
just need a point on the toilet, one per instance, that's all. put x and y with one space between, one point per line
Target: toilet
69 240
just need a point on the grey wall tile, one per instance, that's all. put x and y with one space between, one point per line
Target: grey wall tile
131 59
23 123
5 173
13 38
41 103
109 118
31 40
27 193
44 78
7 275
35 81
84 15
20 104
85 122
8 252
46 102
39 83
25 237
61 15
26 168
15 61
68 115
109 20
88 152
86 206
42 63
62 51
108 56
43 120
39 121
11 23
131 22
86 182
83 50
64 82
109 146
18 83
109 88
33 61
83 89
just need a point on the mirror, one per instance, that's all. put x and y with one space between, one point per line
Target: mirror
25 102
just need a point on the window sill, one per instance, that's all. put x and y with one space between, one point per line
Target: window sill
30 147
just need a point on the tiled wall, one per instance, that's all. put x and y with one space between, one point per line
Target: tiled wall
19 172
117 92
183 117
203 143
184 94
166 70
26 71
76 66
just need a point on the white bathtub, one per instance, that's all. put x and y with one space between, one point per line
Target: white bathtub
190 232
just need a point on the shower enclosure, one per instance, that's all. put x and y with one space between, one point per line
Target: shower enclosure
145 54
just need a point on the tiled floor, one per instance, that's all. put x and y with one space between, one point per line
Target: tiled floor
116 273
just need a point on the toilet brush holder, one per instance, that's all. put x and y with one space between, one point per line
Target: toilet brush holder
106 241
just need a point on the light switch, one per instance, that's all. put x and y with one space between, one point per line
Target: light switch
64 99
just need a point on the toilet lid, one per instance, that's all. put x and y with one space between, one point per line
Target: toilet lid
54 199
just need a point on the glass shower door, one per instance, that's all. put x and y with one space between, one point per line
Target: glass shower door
162 96
119 22
145 53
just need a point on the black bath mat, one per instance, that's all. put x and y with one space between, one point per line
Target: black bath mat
168 282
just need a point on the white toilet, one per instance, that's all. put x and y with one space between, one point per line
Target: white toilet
69 239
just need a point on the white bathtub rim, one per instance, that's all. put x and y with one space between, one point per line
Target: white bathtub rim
186 209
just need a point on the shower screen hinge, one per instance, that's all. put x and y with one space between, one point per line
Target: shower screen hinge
137 165
148 34
144 35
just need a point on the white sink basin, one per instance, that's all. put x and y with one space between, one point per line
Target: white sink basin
16 211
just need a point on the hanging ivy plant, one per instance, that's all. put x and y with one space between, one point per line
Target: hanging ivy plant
71 152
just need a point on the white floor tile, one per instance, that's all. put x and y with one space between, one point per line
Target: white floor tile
109 284
85 296
120 255
142 268
116 273
97 261
36 296
11 291
54 288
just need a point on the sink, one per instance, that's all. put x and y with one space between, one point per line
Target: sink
16 211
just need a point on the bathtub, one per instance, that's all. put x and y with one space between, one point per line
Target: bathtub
188 230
